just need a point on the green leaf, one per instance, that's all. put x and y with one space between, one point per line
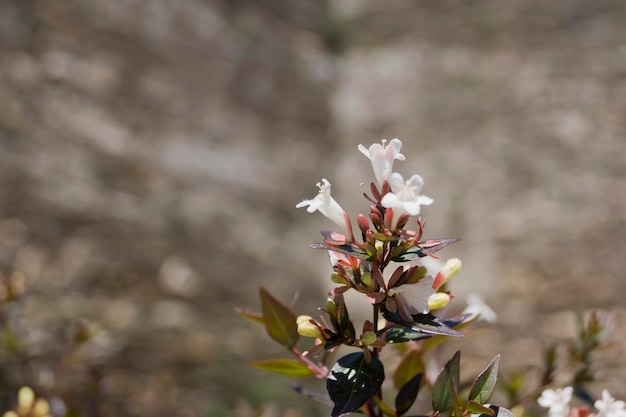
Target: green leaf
485 383
457 411
410 365
407 394
338 279
353 381
384 407
250 315
288 367
447 385
280 321
476 408
343 318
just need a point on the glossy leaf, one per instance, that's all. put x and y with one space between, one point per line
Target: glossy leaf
353 381
400 334
407 394
410 365
423 323
330 243
424 248
437 328
280 321
447 385
384 407
315 396
498 412
288 367
485 383
343 318
476 408
250 315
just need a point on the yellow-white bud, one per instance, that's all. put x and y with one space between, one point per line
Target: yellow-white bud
25 399
41 408
451 268
368 338
306 328
438 300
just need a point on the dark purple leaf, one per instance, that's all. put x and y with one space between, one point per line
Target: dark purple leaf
423 248
353 381
348 250
407 394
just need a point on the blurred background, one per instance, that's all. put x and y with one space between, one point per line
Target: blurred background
152 153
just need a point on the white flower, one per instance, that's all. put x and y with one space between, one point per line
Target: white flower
382 157
557 401
477 307
415 296
325 204
406 195
608 407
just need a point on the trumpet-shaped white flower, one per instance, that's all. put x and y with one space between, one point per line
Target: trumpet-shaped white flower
557 401
415 296
406 195
326 204
608 407
382 157
476 306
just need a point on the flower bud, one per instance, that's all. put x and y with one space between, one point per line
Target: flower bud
363 223
449 270
369 338
438 300
402 220
307 328
41 408
25 399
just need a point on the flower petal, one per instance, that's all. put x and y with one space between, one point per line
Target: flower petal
326 204
382 157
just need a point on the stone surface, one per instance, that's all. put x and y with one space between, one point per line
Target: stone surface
152 153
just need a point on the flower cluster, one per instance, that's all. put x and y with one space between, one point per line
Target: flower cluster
405 298
383 258
379 258
359 265
558 403
29 406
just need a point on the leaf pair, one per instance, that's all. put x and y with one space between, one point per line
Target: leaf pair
445 397
280 323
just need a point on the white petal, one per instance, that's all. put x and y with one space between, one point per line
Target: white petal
390 200
365 151
396 145
396 181
416 181
411 207
424 201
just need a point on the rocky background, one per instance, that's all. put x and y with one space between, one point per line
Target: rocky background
152 153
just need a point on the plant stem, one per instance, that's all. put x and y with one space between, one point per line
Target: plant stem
375 354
